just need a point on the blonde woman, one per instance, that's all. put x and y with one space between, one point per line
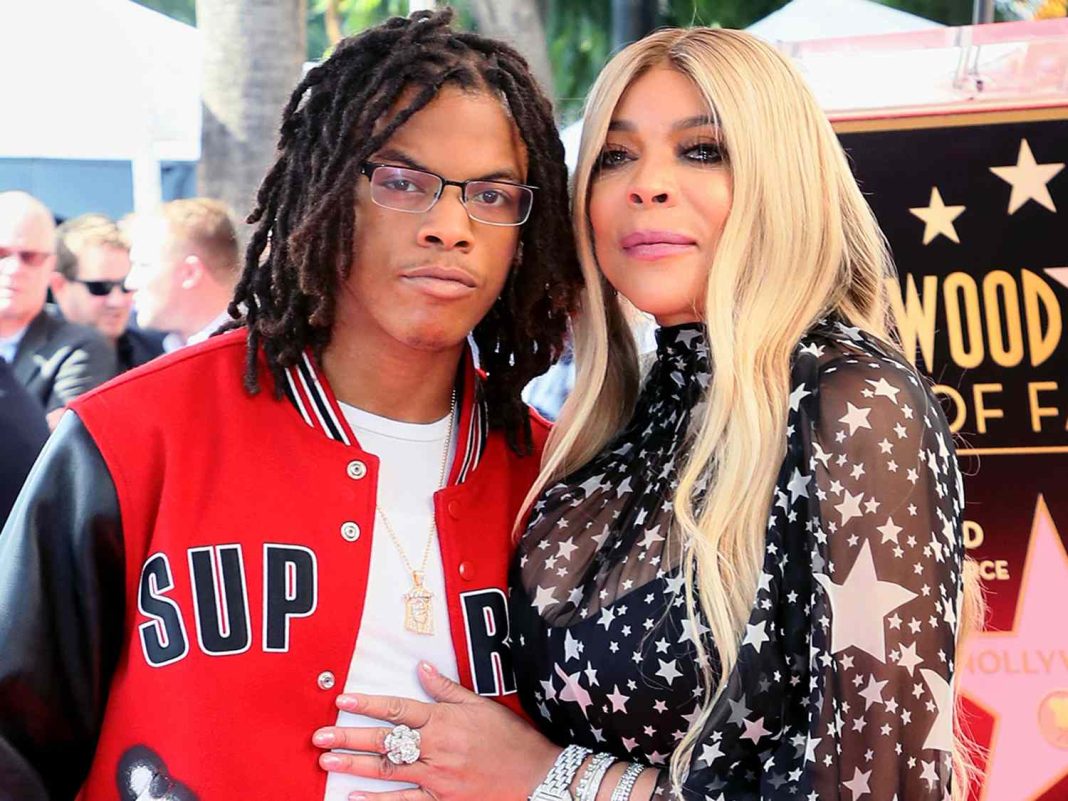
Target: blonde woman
741 578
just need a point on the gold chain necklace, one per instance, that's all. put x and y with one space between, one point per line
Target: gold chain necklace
418 611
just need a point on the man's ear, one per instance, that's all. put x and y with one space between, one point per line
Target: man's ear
58 282
191 271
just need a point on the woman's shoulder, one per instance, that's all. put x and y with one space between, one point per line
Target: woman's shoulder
839 359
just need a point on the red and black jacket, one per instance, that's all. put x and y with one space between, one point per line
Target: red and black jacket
182 581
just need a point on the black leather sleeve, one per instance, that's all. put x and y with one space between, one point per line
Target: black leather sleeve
61 617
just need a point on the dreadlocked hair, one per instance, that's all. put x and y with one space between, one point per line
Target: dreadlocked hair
305 224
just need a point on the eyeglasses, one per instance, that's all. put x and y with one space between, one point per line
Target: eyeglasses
31 258
102 289
416 191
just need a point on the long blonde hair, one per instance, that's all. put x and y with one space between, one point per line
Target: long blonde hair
800 242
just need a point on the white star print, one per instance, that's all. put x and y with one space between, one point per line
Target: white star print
889 530
941 735
798 486
831 513
873 693
850 506
860 603
858 785
908 658
544 599
855 418
754 730
668 670
756 635
884 389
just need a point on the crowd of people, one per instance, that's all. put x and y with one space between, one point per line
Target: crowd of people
68 295
331 553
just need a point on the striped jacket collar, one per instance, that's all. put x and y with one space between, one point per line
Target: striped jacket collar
310 393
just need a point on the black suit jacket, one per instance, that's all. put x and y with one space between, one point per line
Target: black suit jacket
57 361
137 346
23 431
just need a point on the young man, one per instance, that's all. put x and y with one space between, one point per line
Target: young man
217 544
90 287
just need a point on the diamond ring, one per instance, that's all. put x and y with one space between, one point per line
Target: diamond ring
402 745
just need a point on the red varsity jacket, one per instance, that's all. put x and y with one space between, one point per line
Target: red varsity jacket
245 536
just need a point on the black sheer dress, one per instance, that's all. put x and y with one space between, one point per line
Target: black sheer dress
842 690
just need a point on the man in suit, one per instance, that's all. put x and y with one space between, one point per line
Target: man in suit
23 431
54 360
186 262
89 285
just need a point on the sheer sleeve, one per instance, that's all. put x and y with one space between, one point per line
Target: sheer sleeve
884 531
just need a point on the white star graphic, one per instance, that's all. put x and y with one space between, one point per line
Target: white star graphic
651 536
754 730
909 659
710 752
885 389
858 785
889 530
850 506
669 670
938 218
1028 179
544 597
798 486
941 734
567 547
855 418
572 647
573 691
756 635
619 701
860 604
873 693
799 394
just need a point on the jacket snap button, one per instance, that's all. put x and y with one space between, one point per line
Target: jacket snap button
454 509
356 469
350 532
467 571
326 680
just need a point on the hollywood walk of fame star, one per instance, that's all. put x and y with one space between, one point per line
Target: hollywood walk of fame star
992 674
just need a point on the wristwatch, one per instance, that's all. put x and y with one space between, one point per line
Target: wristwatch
556 786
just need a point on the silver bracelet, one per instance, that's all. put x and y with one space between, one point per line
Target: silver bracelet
555 786
627 782
592 777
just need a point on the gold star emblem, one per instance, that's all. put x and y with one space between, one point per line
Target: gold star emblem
938 218
1028 179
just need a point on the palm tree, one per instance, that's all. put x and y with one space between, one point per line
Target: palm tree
253 52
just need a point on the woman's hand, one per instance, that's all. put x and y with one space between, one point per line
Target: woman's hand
472 749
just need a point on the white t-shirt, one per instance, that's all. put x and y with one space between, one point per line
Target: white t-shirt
386 654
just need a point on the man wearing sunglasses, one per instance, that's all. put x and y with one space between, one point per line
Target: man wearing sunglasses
92 262
54 359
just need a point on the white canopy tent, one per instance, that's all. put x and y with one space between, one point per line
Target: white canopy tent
803 20
89 83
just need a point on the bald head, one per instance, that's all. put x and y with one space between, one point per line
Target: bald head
27 257
29 215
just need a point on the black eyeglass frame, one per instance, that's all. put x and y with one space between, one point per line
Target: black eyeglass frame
94 285
368 168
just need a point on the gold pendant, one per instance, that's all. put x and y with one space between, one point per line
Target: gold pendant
418 617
